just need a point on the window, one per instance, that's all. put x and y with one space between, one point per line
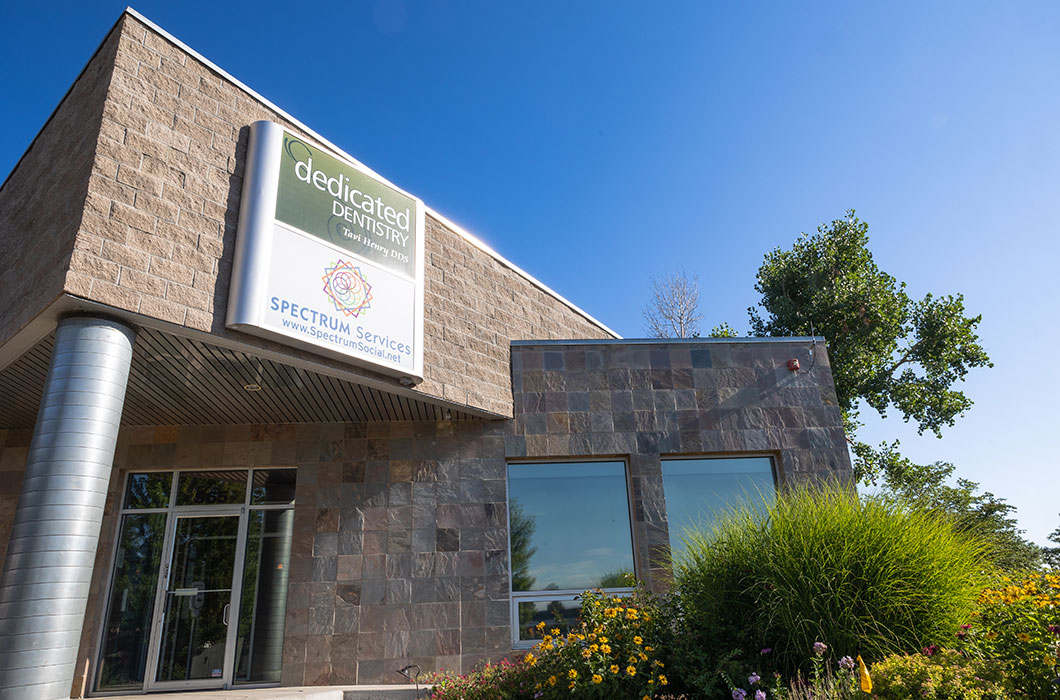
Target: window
569 530
699 490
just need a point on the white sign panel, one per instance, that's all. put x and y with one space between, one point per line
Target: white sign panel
328 257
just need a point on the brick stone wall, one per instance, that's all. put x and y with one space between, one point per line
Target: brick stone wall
157 236
42 200
400 549
14 448
641 402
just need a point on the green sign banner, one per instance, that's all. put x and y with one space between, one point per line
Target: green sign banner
324 197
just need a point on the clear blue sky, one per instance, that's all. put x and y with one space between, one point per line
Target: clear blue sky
596 144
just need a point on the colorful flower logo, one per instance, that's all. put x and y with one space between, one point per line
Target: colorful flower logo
347 288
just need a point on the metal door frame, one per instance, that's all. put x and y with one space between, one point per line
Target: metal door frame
155 637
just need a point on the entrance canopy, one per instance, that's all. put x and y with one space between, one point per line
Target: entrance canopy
178 380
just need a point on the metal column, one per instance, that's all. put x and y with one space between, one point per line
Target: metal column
48 567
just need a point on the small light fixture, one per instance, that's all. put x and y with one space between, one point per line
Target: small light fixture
252 387
793 364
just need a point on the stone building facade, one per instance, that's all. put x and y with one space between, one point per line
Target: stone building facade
397 527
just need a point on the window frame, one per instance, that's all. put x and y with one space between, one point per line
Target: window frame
775 470
565 594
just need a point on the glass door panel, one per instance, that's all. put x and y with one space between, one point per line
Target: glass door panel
123 654
263 602
197 600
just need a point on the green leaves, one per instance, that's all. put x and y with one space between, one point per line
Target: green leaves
886 349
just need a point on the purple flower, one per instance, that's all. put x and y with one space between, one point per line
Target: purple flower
760 695
820 648
846 663
766 650
930 650
739 694
753 678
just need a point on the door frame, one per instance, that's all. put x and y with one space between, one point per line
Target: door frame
158 620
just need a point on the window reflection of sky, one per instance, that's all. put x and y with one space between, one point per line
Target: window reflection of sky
581 521
697 491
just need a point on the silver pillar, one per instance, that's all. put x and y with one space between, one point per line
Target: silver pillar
48 567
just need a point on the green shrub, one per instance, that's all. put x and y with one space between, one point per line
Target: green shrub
613 653
503 681
1018 623
870 576
942 675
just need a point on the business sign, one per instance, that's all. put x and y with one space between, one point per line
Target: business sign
328 257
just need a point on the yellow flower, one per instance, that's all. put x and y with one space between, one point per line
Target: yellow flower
541 625
606 648
991 635
554 630
863 675
1023 637
593 648
572 674
586 653
529 658
662 680
614 668
649 649
638 641
631 670
598 679
552 680
603 640
643 656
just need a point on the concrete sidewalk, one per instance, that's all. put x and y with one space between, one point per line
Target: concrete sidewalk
343 692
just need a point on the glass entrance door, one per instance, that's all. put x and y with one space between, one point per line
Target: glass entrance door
198 593
197 602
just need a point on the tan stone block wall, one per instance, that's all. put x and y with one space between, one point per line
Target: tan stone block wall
41 201
158 233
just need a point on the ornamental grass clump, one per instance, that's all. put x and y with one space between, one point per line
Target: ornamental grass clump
871 576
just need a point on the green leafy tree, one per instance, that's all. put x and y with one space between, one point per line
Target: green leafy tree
888 350
980 513
723 330
891 353
1051 555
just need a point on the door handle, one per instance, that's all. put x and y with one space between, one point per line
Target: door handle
224 615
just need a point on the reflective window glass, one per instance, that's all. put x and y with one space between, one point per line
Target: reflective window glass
262 608
123 656
273 486
698 491
209 488
148 490
559 615
569 525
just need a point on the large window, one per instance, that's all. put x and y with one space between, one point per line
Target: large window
699 490
569 529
